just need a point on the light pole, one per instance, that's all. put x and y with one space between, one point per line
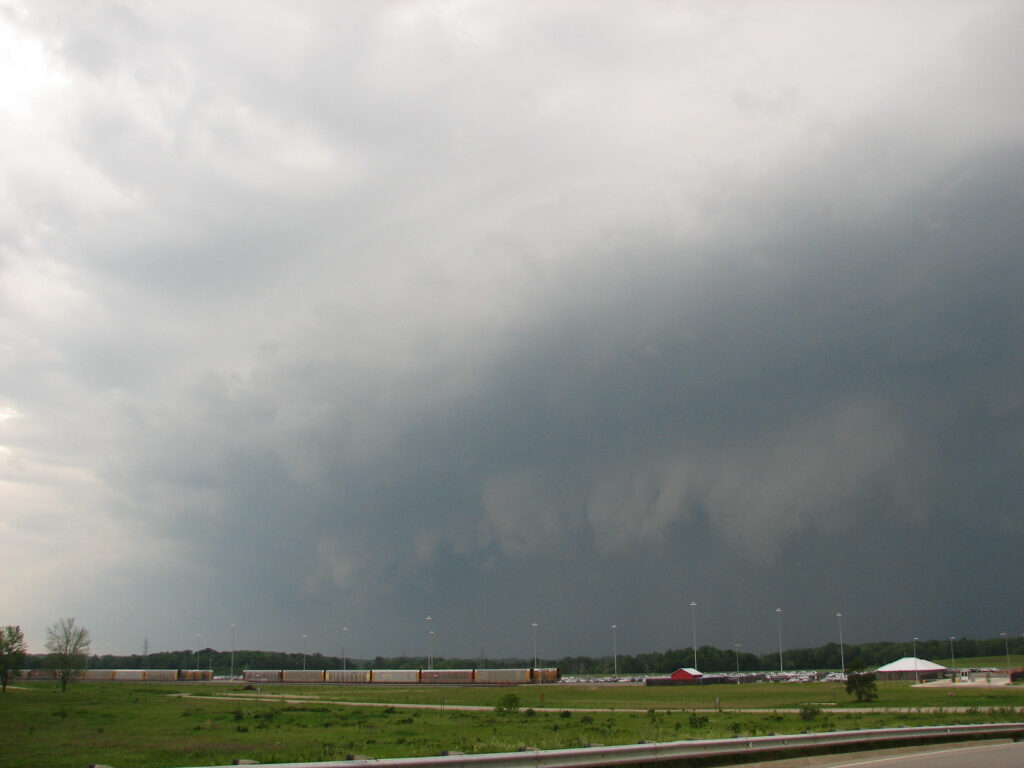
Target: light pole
737 646
778 618
842 659
304 652
615 650
952 657
197 653
1006 646
232 650
693 613
344 658
430 661
534 625
917 677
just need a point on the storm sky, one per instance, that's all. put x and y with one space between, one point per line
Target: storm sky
322 314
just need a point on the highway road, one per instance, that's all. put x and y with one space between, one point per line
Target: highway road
989 755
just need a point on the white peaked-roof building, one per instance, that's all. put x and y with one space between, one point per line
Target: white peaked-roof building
910 668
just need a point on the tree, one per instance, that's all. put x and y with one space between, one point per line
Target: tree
508 704
860 682
12 651
67 644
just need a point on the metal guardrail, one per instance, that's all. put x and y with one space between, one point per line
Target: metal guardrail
633 754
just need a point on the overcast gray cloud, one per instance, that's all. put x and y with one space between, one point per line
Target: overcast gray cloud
342 314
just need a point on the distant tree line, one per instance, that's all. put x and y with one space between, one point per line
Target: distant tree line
709 659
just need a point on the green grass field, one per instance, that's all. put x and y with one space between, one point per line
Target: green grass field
145 726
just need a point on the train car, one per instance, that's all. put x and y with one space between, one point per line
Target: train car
37 674
302 675
347 676
98 674
195 675
446 676
129 675
262 675
161 675
545 675
395 676
501 676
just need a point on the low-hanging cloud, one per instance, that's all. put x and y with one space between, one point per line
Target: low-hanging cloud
507 314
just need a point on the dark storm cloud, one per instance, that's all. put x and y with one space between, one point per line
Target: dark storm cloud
807 406
443 312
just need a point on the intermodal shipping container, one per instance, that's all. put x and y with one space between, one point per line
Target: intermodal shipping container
98 674
348 676
502 676
262 675
195 675
446 676
303 675
395 676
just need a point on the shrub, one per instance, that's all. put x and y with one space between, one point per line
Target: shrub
508 704
697 720
809 711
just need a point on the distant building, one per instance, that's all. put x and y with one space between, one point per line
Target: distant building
686 674
911 668
682 676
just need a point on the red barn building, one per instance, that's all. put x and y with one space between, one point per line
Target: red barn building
686 675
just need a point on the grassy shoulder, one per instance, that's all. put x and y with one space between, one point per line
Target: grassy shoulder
145 726
627 697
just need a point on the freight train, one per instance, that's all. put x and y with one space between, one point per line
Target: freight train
406 676
125 675
369 676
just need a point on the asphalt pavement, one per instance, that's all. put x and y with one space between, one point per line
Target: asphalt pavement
993 754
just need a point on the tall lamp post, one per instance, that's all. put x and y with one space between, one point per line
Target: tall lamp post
232 650
842 659
197 652
344 658
693 613
304 651
430 661
952 657
534 625
615 650
778 618
1006 647
737 646
917 677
